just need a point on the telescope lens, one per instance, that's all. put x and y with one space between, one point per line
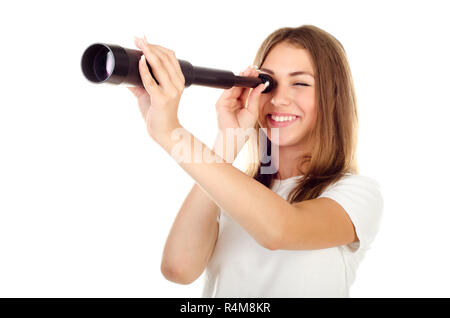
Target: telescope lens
98 63
103 64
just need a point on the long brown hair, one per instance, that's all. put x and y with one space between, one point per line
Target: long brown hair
335 133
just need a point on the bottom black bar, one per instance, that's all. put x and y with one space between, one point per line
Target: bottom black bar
220 307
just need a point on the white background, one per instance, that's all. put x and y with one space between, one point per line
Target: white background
87 198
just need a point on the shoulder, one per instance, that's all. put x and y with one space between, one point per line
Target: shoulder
357 179
356 184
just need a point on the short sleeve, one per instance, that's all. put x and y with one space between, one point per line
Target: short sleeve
361 198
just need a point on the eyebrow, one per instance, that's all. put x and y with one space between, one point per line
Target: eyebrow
290 74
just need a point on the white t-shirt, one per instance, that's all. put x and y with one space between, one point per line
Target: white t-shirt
241 267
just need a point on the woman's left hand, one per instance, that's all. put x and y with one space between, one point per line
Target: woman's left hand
161 114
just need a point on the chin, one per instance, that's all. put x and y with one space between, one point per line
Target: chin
286 137
284 140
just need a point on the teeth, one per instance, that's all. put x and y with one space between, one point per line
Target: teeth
282 118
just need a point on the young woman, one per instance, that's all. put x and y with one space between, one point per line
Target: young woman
298 231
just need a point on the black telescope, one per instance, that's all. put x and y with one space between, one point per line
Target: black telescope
113 64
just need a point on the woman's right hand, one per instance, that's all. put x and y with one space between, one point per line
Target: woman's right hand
238 107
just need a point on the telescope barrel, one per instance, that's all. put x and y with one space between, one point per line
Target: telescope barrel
113 64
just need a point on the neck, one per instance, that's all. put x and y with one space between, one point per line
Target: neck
288 160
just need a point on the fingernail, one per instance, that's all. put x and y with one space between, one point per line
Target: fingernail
266 84
254 66
142 57
145 40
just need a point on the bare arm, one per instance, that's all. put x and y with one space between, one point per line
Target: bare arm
191 239
268 218
193 235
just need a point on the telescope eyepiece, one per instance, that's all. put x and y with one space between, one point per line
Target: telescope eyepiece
267 78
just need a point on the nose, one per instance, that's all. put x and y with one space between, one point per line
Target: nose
281 96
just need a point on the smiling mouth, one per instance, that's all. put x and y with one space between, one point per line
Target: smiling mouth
281 121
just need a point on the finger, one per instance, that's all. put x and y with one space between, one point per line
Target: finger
251 72
254 98
168 66
176 73
147 79
156 64
232 93
236 92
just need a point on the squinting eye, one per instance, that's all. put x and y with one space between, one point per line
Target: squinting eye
303 84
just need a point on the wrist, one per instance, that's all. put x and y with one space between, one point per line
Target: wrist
182 146
167 138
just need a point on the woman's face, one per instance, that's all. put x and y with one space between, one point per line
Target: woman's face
294 107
